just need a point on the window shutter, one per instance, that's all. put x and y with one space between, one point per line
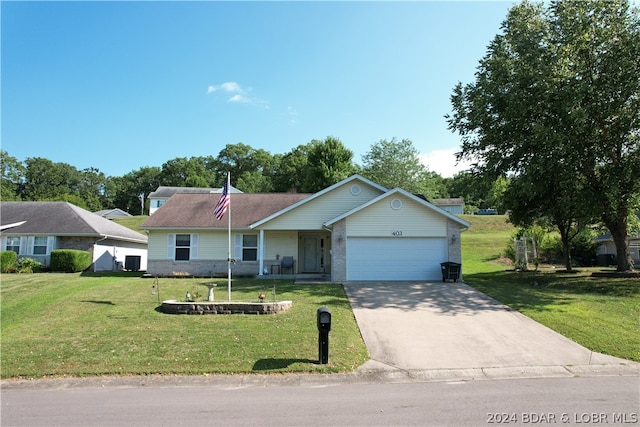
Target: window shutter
30 241
237 247
194 246
51 241
23 245
171 245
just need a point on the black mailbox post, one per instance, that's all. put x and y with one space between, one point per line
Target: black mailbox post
324 326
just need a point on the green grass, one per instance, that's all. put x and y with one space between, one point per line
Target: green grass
132 222
484 242
79 325
602 314
99 324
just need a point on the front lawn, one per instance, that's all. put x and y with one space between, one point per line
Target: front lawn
602 314
98 324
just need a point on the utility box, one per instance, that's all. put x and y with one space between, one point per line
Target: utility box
450 271
132 262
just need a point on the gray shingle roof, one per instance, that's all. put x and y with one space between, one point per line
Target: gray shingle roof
196 210
166 192
62 219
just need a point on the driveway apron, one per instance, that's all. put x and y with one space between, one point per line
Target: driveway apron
451 326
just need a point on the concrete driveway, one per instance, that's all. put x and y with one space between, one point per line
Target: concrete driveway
426 326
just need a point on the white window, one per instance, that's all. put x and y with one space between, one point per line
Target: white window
13 244
246 247
182 247
40 245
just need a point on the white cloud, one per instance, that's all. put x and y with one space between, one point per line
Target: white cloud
238 98
444 162
238 94
231 87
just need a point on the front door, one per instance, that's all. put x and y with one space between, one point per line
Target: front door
313 253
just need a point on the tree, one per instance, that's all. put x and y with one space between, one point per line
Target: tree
92 189
13 172
240 158
290 174
397 164
183 172
46 180
546 200
134 185
558 96
329 162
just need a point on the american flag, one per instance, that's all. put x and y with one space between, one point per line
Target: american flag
223 202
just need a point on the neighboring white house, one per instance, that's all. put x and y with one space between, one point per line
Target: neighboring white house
113 213
353 230
162 194
606 251
46 226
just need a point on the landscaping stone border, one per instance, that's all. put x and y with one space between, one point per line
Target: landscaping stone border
206 307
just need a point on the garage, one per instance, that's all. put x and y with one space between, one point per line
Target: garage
394 258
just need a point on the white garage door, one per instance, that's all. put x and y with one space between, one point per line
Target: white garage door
392 258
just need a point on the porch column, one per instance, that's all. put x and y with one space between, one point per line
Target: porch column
261 253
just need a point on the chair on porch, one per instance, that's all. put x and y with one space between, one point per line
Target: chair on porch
286 264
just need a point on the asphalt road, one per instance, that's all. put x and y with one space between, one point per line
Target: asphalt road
585 401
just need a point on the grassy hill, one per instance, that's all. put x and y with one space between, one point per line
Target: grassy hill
132 222
484 242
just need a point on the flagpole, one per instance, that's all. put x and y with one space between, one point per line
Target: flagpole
229 237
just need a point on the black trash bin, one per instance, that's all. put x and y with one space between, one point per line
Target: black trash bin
450 270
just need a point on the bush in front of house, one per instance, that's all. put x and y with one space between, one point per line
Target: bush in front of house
8 261
70 260
28 265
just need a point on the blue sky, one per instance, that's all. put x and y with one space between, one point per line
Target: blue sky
122 85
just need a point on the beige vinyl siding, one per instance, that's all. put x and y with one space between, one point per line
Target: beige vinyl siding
411 220
311 215
157 248
211 244
283 243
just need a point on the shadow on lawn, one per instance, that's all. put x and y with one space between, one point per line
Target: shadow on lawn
98 302
272 364
536 290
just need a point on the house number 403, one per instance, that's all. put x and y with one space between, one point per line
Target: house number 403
396 233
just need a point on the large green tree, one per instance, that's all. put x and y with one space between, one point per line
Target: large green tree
329 162
397 164
13 171
134 186
557 97
291 171
46 180
241 159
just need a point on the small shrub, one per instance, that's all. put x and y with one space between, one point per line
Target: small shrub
8 261
28 265
70 260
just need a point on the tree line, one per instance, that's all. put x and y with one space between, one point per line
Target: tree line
551 122
307 168
555 106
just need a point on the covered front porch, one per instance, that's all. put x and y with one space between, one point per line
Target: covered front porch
294 254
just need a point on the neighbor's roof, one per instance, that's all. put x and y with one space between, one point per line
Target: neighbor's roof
166 192
448 202
196 210
62 219
112 213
